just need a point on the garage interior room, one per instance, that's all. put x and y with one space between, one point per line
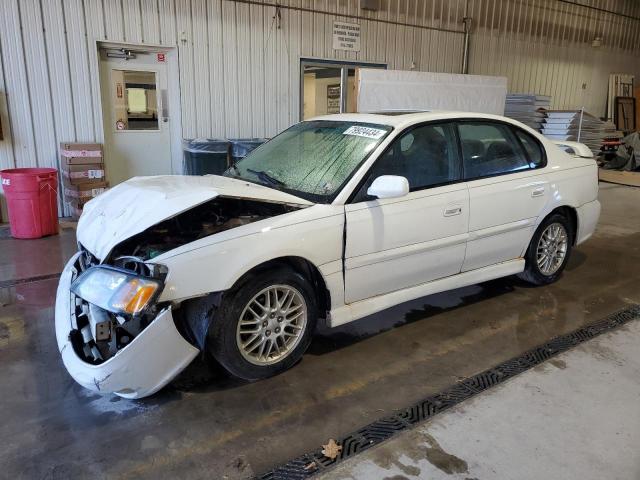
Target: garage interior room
332 239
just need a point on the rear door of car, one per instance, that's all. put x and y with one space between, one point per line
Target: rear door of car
508 188
396 243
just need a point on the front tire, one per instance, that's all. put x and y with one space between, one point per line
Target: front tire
265 326
549 251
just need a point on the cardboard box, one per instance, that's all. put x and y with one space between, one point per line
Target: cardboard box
88 148
83 192
83 173
66 161
79 153
79 160
77 196
75 211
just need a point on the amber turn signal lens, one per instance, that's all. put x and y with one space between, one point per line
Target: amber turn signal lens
140 299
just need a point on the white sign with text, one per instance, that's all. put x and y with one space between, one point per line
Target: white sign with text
346 36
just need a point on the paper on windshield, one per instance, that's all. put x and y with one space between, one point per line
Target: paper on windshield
366 132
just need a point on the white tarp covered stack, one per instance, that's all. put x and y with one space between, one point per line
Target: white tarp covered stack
380 90
578 126
527 108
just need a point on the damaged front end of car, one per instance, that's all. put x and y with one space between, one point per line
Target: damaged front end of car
114 333
112 305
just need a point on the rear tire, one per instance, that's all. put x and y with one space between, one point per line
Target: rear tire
549 250
264 327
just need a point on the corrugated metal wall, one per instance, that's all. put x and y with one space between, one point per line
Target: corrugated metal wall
545 46
239 61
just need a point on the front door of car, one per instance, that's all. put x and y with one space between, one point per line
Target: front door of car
507 190
396 243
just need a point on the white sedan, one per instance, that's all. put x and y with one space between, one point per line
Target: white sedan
336 218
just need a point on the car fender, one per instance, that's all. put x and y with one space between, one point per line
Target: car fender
571 185
217 266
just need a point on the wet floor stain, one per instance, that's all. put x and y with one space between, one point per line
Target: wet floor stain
442 460
4 332
407 458
556 362
11 330
388 459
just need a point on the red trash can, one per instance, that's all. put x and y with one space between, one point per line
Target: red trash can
32 200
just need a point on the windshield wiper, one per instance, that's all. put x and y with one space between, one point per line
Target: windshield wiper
266 178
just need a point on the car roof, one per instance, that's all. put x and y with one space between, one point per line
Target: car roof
402 118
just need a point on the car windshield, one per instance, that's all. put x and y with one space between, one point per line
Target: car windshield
312 160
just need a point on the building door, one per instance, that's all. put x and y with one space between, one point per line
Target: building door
329 87
137 131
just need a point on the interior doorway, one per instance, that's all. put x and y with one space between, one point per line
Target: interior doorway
329 86
134 86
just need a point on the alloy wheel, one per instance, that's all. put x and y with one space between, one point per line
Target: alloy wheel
552 248
271 325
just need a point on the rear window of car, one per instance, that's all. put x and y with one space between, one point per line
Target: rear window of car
532 147
492 148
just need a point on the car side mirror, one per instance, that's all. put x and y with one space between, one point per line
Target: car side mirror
389 186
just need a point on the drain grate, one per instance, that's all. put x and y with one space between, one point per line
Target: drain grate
20 281
311 463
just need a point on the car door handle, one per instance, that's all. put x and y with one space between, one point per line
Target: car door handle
451 211
538 192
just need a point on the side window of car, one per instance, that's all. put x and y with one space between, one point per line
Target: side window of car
425 155
490 149
532 147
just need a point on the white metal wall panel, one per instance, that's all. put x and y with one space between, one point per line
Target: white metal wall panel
95 31
150 21
294 53
38 83
59 73
269 72
230 57
544 46
17 85
184 28
283 92
167 21
79 67
256 59
6 147
113 20
201 69
243 36
239 62
132 21
216 68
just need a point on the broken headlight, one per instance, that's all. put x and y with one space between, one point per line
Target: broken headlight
115 290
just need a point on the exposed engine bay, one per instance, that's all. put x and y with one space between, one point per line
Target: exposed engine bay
99 334
209 218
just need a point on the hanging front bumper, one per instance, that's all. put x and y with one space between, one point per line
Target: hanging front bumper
152 359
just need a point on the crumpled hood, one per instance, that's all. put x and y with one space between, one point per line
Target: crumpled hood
137 204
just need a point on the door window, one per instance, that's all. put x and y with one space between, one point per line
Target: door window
490 149
532 147
426 155
329 87
135 103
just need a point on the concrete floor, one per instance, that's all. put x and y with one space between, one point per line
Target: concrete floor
575 417
206 425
